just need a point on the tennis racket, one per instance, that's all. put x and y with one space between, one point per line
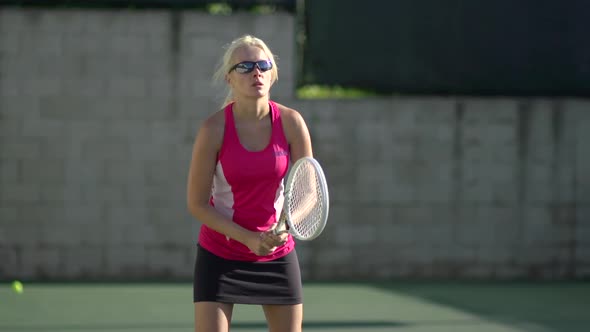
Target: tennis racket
305 209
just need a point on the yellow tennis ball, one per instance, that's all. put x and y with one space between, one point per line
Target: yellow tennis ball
17 287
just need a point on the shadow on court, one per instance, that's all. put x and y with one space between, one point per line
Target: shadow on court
327 325
96 327
324 325
531 306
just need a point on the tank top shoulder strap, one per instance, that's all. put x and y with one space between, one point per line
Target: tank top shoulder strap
230 125
275 113
230 135
277 124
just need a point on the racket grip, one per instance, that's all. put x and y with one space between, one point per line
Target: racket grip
281 225
280 229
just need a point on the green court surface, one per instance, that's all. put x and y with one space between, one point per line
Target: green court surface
347 307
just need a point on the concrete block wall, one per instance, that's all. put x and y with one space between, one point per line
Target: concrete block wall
453 188
98 113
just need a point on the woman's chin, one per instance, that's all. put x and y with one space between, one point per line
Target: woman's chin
259 94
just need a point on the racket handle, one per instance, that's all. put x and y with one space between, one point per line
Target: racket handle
281 225
280 229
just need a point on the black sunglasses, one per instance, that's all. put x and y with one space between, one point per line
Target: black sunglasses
245 67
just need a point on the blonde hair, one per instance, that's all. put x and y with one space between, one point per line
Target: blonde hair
226 61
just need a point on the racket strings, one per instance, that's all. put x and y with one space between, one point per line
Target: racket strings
306 205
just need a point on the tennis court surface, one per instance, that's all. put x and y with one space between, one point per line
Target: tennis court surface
347 307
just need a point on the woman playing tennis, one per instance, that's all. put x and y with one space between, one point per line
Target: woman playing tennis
235 189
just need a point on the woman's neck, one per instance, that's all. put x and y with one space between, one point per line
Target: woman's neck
251 109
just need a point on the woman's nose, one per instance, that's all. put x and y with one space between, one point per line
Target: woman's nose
257 71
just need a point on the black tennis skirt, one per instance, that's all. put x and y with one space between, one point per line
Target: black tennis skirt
227 281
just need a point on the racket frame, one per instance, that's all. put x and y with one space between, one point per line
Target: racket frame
285 224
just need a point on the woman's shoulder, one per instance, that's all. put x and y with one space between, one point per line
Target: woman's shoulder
288 115
214 120
213 126
293 123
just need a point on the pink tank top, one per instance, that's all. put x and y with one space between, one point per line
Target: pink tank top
248 188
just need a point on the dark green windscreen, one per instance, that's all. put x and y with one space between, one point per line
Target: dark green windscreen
501 47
